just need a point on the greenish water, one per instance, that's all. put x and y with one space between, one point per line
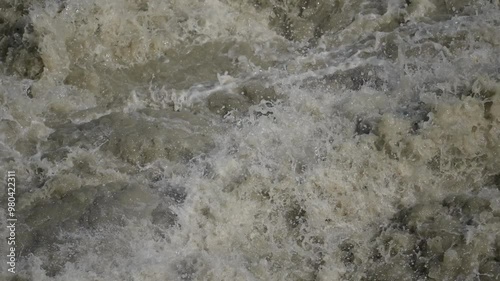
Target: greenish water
252 139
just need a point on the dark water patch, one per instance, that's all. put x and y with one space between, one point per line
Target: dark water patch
417 113
19 43
347 249
187 268
48 219
177 193
132 138
295 216
363 127
89 208
374 7
356 78
164 216
257 90
495 180
428 241
390 47
223 102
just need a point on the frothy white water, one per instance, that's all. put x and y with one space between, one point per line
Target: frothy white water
253 140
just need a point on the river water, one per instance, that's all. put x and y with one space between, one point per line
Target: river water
252 139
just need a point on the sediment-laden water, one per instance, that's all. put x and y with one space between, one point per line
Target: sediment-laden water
252 139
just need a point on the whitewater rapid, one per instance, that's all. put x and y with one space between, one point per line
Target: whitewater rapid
251 139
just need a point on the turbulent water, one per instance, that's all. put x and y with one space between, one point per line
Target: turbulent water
251 139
